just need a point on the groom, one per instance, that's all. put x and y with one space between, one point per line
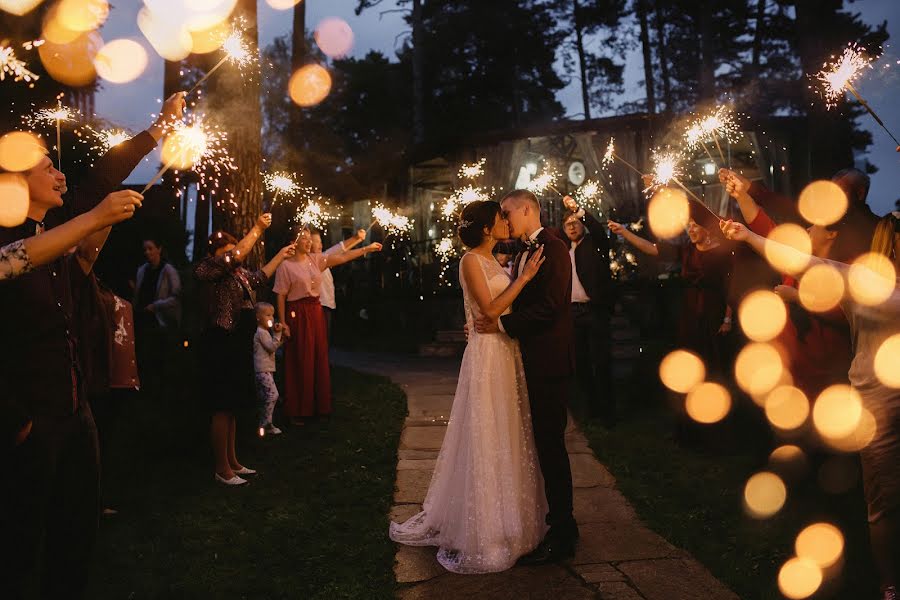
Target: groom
542 323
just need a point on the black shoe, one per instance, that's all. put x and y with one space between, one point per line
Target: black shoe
549 551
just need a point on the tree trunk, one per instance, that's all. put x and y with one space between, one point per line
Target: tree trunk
418 66
298 36
236 104
663 54
582 66
641 7
707 74
758 39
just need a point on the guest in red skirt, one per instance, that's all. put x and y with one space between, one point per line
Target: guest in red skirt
307 377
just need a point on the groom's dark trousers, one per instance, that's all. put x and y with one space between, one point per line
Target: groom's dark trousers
542 322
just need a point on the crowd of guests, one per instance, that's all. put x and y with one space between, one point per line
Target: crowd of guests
76 343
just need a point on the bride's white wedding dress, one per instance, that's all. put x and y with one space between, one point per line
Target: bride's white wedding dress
485 506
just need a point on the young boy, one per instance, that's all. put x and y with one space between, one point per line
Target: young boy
264 347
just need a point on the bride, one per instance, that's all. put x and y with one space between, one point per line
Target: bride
485 505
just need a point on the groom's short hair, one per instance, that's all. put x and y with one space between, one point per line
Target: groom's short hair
523 196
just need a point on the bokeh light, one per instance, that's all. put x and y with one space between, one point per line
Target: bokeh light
82 15
762 315
681 371
708 403
822 203
19 7
209 40
121 61
837 412
788 248
334 37
758 368
282 4
14 204
787 407
821 288
861 436
822 543
168 35
20 150
799 578
72 63
887 362
204 14
764 495
787 454
872 279
309 85
668 212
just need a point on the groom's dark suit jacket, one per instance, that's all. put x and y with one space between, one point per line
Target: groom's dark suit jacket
541 319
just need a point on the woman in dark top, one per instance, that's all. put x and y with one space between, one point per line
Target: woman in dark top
227 344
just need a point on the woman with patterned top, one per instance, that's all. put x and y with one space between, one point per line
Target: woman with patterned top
227 345
307 376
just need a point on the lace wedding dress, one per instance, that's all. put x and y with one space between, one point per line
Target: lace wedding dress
485 505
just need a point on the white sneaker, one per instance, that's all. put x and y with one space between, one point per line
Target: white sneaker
233 481
272 430
246 471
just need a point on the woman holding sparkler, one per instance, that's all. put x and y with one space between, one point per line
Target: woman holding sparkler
228 337
298 282
706 267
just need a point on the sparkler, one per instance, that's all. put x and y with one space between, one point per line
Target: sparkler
667 170
445 251
611 155
543 182
15 68
315 214
53 115
694 136
588 194
472 171
236 49
280 182
392 223
107 139
839 76
720 122
460 198
203 147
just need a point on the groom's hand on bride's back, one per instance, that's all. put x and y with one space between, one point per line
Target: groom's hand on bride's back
486 325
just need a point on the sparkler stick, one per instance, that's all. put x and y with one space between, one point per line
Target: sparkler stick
236 50
208 74
871 112
610 155
160 173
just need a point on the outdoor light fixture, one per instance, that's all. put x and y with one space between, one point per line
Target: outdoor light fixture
709 168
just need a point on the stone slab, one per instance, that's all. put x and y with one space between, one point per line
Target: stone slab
602 505
412 486
678 579
588 472
614 541
599 572
550 582
422 438
416 454
414 564
618 590
416 465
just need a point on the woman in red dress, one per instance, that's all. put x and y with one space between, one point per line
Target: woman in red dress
307 376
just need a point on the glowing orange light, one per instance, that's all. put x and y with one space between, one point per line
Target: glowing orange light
121 61
20 151
14 206
681 371
764 494
887 362
799 578
788 248
837 412
822 203
334 37
787 407
668 212
708 403
872 279
821 288
762 315
309 85
758 368
822 543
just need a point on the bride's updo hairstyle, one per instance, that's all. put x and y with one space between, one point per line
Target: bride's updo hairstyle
474 218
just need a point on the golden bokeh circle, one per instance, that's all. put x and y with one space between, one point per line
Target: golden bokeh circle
822 543
20 151
821 288
708 403
72 63
887 362
837 412
788 248
762 315
121 61
668 212
872 279
822 203
13 199
681 371
758 368
309 85
787 407
799 578
764 494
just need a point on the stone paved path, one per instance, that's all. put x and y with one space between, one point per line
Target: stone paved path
618 558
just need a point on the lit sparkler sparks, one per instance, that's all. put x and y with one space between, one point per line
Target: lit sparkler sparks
202 149
391 223
839 76
472 171
610 155
107 139
11 66
543 182
666 168
315 214
49 116
445 251
280 182
237 51
588 194
460 198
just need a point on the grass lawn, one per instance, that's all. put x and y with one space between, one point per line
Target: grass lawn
694 499
312 524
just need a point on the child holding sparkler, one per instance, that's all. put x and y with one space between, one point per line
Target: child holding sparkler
265 343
